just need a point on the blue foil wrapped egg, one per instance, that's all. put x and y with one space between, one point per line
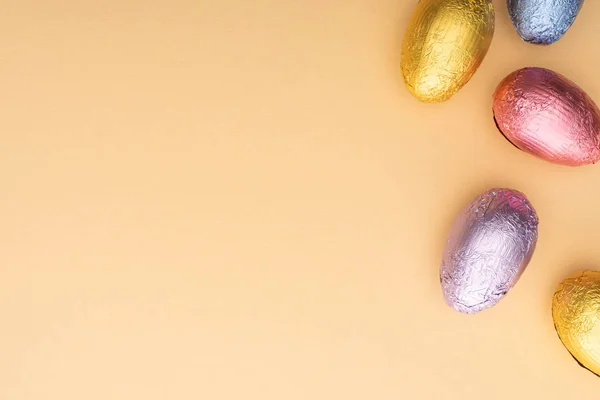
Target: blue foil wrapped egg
543 21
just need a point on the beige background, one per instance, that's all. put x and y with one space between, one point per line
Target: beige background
229 199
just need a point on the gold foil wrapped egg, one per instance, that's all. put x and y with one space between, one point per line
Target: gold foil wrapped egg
576 314
444 44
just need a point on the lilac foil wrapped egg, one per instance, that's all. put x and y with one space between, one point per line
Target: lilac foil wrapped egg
489 246
543 21
543 113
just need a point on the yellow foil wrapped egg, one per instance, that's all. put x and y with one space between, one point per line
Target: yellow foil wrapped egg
576 314
444 44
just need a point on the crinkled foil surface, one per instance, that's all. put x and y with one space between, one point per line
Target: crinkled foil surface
489 246
543 21
444 44
576 314
545 114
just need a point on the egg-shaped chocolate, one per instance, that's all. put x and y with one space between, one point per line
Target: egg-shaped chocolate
543 21
543 113
444 44
576 314
489 246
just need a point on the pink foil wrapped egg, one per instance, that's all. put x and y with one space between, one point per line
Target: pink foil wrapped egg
543 113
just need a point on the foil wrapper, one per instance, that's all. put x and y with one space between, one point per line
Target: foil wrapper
543 21
576 314
489 246
543 113
444 44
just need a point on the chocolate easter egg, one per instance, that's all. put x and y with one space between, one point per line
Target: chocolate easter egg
444 44
543 113
576 314
543 21
489 246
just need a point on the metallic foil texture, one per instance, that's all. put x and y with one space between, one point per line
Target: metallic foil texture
444 44
543 21
489 246
576 314
543 113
